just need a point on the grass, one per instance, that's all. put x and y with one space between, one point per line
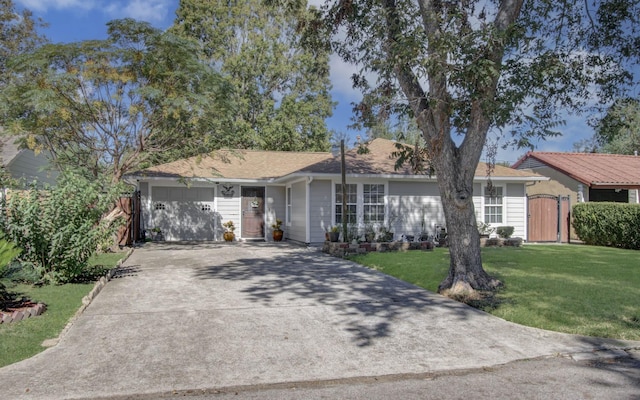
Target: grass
22 340
585 290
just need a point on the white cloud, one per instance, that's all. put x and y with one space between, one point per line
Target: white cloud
45 5
145 10
341 73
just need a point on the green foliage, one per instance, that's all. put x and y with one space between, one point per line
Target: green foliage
608 224
281 84
59 229
8 251
505 232
18 35
23 340
618 132
112 106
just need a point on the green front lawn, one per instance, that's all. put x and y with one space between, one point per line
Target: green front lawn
23 339
586 290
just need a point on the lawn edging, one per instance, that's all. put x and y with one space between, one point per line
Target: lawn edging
339 249
86 300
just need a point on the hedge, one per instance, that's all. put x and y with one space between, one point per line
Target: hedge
608 224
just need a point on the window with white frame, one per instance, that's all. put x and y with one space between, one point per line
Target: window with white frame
373 203
493 204
350 214
288 213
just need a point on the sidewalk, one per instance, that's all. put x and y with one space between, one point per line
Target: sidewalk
205 316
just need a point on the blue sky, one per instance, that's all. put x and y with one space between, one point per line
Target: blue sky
76 20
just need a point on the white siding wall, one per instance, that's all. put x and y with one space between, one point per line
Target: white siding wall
514 206
477 202
516 209
411 203
275 205
320 209
228 209
297 230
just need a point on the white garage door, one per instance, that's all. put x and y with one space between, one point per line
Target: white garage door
184 213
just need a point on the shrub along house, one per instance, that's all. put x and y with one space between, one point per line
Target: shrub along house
190 199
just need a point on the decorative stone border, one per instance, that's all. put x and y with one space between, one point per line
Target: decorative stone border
497 242
344 249
86 300
19 315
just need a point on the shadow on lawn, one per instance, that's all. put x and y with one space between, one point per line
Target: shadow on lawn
368 302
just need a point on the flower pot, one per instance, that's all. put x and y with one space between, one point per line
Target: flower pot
334 236
277 235
228 236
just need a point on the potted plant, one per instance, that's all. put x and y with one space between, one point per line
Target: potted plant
385 234
334 233
485 229
229 227
155 233
369 233
277 230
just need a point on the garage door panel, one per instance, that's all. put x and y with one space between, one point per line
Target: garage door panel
184 217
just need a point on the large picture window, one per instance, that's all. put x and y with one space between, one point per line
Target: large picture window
373 204
493 204
352 204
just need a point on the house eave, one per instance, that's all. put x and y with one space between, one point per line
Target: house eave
137 178
425 178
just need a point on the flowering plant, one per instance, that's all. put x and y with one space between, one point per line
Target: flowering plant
277 225
228 226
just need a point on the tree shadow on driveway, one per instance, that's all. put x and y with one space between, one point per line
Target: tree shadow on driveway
367 302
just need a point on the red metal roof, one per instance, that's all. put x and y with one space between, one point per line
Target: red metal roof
593 169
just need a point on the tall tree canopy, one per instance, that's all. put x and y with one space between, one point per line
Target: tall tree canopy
618 132
281 87
112 106
461 68
18 34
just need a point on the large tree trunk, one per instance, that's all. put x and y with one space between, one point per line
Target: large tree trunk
455 169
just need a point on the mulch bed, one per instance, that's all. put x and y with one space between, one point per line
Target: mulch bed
15 310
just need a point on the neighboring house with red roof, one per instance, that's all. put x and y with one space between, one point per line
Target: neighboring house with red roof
585 176
189 199
24 165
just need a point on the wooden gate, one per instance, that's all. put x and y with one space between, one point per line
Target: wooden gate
549 218
129 207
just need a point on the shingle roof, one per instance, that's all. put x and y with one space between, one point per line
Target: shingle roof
593 169
8 149
237 164
262 165
379 160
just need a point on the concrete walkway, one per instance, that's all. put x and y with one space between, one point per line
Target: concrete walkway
182 317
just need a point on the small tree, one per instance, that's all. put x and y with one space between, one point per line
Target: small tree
59 229
8 251
116 105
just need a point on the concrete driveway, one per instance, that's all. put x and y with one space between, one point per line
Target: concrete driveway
182 317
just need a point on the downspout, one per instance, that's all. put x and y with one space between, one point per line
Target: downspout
308 211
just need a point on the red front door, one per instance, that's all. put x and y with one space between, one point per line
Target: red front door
253 213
